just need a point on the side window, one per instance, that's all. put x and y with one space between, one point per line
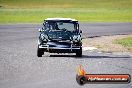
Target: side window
77 27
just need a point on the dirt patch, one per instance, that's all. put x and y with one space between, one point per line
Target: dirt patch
105 43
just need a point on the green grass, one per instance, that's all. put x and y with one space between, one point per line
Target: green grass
127 42
66 3
35 11
38 15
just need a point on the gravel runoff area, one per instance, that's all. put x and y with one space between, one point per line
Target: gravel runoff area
106 43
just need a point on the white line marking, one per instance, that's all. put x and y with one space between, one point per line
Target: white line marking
85 48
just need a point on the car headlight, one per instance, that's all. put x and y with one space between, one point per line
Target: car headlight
44 37
76 38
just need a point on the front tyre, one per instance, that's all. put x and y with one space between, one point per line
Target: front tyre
39 52
79 53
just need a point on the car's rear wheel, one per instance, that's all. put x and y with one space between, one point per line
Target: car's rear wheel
79 53
40 52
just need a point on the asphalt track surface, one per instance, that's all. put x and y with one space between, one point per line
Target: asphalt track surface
21 68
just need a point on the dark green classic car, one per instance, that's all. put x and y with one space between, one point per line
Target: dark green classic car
60 35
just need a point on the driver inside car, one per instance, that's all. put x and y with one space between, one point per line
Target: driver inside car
56 27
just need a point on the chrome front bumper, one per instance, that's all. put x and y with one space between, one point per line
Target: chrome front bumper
50 49
47 47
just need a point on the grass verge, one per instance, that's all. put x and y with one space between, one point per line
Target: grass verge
35 11
126 42
81 14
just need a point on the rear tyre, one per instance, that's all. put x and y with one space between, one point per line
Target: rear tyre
79 53
39 52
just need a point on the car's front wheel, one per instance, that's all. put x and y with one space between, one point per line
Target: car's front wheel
39 52
79 53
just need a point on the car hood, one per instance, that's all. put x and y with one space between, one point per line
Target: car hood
59 35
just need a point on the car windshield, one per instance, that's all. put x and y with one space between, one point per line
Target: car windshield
67 26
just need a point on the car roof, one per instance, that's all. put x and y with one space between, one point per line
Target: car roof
61 19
